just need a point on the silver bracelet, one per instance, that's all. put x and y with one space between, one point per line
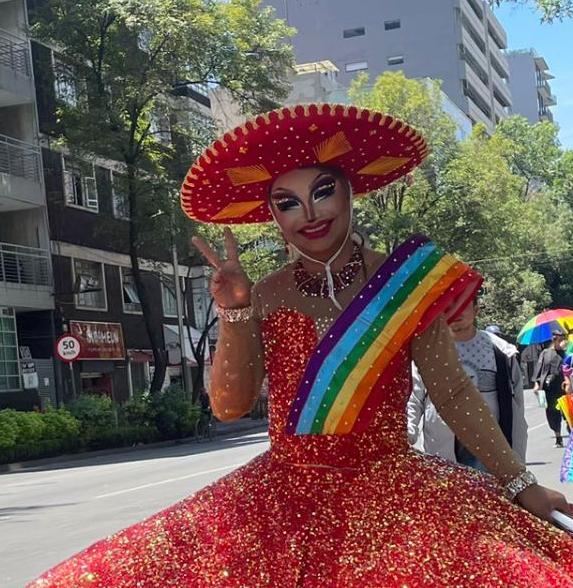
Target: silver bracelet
519 484
235 315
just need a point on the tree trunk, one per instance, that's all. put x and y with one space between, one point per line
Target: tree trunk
149 317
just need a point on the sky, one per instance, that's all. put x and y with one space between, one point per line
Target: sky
555 43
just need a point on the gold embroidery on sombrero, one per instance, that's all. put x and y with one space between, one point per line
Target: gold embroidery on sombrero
332 147
237 209
250 174
383 165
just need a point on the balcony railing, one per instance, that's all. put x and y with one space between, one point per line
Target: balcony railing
24 266
15 53
18 158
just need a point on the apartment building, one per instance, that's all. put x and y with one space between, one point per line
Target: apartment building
529 84
460 42
64 263
95 295
27 375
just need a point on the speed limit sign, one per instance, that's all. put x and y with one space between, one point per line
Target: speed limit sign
67 348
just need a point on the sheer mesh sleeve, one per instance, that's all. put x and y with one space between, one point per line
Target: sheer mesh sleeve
460 404
238 367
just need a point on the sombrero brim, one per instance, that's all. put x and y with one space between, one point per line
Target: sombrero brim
229 183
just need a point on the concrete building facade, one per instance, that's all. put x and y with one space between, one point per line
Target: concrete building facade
529 84
460 42
27 375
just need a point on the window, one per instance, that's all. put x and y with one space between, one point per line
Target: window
201 302
390 25
89 285
130 297
120 197
9 364
349 33
356 66
65 83
79 184
168 296
396 60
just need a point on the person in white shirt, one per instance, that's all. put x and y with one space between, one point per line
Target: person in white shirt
492 364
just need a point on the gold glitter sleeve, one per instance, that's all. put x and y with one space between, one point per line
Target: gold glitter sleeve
238 367
460 404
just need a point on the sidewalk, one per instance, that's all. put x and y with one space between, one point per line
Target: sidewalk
223 430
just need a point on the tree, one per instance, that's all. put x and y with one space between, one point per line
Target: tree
391 214
134 64
535 152
550 9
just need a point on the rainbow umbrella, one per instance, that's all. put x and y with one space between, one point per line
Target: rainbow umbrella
540 328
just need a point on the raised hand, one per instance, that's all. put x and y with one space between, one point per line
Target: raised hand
230 285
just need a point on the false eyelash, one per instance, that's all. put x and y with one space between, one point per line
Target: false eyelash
329 188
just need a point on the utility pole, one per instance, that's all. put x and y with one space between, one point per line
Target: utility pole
179 304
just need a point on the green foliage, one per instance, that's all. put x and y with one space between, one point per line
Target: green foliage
550 9
137 411
391 214
94 412
503 202
134 66
60 424
175 415
27 435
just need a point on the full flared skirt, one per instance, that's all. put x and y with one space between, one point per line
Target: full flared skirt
406 520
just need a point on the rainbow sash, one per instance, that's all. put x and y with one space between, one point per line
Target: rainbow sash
346 375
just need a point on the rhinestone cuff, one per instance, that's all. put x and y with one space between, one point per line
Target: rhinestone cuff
518 484
235 315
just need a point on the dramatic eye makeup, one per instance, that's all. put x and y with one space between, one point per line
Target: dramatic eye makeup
324 189
284 202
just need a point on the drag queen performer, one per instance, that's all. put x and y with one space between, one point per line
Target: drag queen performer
340 500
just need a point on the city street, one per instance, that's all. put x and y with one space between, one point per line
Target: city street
48 513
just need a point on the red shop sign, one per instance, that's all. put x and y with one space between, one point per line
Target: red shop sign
98 340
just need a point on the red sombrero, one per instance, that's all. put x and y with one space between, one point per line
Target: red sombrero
229 183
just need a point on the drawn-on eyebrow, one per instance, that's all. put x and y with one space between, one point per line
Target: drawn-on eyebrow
282 192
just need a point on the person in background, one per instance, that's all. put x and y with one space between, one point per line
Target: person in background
549 378
492 365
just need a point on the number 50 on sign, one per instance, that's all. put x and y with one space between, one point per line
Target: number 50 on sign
67 348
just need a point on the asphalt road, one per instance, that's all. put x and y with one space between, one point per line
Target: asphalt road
48 513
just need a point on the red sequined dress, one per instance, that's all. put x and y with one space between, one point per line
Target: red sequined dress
359 510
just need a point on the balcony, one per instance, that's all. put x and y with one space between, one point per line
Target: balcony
20 175
478 115
25 277
501 88
471 48
499 61
500 111
545 92
16 78
473 18
496 31
477 84
546 115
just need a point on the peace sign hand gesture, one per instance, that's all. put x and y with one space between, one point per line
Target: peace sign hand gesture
230 285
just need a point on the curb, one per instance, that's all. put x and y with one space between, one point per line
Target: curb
223 430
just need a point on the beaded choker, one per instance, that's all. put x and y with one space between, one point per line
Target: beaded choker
317 285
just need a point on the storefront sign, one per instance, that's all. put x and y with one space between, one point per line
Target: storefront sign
99 340
28 369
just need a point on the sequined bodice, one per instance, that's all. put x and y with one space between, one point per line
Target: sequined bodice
289 338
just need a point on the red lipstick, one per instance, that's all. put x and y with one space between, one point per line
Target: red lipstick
316 230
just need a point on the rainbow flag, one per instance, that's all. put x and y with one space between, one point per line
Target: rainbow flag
565 405
345 377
